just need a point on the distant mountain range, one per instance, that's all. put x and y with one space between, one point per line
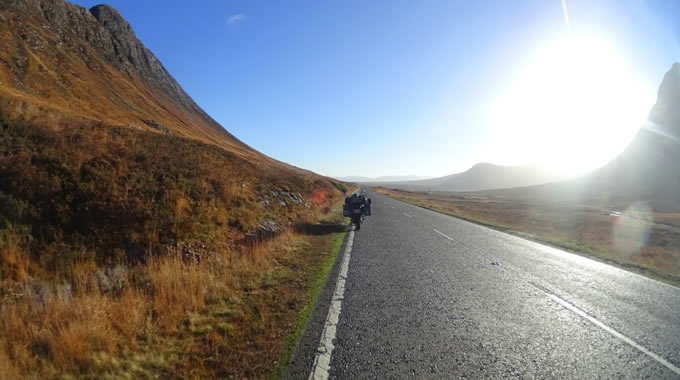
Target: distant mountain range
483 176
357 179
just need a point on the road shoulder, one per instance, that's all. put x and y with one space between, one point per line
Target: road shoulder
302 359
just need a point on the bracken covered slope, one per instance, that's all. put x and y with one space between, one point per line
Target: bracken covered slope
63 63
138 238
103 150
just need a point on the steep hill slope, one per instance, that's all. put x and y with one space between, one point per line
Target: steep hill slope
138 238
64 64
102 151
483 176
647 170
84 101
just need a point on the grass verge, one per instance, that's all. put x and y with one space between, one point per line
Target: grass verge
225 317
319 279
127 254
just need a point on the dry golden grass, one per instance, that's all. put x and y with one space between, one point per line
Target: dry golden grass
87 184
226 309
14 258
63 333
671 218
58 81
580 228
227 315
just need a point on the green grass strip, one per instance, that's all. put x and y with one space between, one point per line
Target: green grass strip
320 279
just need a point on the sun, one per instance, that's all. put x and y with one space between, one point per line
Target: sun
574 108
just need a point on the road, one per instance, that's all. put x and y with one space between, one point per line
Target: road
430 296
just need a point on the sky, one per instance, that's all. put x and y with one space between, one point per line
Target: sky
398 87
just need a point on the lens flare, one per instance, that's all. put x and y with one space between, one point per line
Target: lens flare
632 229
659 130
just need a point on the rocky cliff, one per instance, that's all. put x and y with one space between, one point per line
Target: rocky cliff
666 112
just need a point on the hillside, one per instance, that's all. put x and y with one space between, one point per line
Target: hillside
81 76
645 171
138 237
63 65
483 176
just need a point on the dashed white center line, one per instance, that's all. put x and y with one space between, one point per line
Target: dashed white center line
613 332
443 234
322 359
408 215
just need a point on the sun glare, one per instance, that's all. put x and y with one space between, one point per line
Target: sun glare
574 108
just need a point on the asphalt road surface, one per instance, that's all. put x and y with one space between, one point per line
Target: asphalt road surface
430 296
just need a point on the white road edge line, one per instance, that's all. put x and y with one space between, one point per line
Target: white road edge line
614 333
408 215
322 358
443 234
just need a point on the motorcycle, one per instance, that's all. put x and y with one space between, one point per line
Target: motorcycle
357 209
357 217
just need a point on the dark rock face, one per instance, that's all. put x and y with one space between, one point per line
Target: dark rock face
129 55
124 50
666 111
159 127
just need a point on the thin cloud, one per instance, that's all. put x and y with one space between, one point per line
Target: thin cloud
233 19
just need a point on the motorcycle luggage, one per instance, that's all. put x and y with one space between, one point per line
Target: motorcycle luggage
345 210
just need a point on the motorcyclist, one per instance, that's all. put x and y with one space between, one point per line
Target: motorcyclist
367 203
357 202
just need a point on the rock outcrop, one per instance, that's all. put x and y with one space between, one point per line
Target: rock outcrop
666 112
129 55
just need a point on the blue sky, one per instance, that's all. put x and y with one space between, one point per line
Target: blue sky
382 87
